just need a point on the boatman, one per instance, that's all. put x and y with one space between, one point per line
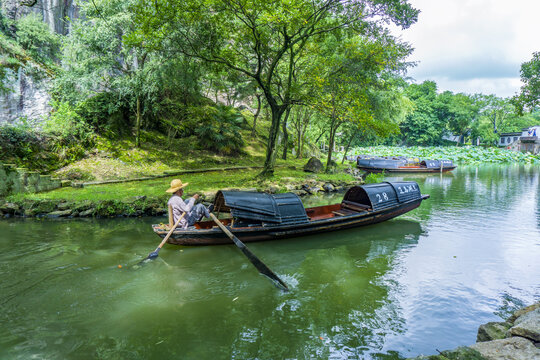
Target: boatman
193 212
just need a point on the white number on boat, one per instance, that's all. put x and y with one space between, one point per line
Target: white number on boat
381 198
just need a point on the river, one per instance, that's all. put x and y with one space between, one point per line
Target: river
409 286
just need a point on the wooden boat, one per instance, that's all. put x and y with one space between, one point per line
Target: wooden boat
402 165
260 216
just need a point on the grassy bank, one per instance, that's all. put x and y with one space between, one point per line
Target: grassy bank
149 198
198 183
460 155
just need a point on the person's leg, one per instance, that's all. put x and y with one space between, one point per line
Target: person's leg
197 213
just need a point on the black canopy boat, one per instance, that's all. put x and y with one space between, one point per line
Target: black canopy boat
402 164
260 216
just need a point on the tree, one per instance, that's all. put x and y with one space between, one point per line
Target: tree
97 59
300 121
458 111
496 109
350 73
423 125
262 39
529 96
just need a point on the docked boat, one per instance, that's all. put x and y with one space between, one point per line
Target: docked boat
402 164
257 216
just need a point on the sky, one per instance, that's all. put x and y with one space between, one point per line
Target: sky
473 46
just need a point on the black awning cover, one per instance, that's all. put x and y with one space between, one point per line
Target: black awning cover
267 208
384 195
436 164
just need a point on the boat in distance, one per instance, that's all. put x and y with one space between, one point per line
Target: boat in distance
260 216
402 164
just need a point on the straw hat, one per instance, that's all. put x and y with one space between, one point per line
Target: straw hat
176 185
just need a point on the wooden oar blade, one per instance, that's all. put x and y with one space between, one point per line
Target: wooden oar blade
259 265
264 270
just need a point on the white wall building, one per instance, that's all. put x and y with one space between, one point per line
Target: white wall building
528 140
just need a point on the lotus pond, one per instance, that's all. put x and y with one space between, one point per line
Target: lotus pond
409 286
460 155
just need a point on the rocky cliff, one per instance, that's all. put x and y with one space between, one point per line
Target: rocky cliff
29 97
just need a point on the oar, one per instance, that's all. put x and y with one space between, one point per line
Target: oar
154 254
263 269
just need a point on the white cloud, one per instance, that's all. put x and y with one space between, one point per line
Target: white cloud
473 45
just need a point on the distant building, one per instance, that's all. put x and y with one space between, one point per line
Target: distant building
528 140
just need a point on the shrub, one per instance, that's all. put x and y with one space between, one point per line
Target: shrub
67 125
219 128
19 140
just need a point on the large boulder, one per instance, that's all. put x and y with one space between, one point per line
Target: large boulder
313 165
461 353
492 331
514 348
527 326
523 311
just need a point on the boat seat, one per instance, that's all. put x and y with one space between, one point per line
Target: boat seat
354 206
344 212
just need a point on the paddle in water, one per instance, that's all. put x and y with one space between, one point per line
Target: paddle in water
154 254
263 269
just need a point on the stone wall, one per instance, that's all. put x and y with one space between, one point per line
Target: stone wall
20 180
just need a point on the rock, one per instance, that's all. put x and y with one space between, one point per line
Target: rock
515 348
10 208
208 196
461 353
273 189
523 311
82 206
300 192
64 206
527 326
492 331
60 213
290 187
328 187
88 212
313 165
313 190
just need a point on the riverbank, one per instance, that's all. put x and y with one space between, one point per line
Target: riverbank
517 338
148 198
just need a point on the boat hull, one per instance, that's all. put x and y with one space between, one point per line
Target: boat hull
215 236
407 169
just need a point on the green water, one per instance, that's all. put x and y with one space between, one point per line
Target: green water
418 283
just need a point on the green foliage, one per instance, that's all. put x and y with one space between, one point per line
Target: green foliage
37 39
423 126
265 41
461 155
374 178
19 141
529 97
218 129
67 125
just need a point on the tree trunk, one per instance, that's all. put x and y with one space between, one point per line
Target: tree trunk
138 124
285 133
254 131
330 148
348 145
270 160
